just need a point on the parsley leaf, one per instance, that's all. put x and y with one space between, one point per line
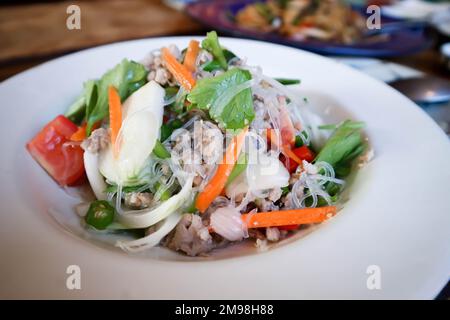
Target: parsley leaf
228 104
211 44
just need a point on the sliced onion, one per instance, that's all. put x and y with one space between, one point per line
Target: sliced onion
149 217
96 180
152 239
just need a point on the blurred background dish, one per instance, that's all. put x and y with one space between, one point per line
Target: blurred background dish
414 9
329 27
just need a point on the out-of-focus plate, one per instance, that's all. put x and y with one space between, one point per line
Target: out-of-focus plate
216 15
396 222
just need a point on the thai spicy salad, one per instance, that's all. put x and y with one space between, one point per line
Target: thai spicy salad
196 149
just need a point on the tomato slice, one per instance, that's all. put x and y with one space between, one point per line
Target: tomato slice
53 150
303 152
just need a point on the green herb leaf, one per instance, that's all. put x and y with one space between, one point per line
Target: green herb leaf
211 44
227 105
215 65
168 128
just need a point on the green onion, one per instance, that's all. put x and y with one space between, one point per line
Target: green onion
239 167
160 151
288 82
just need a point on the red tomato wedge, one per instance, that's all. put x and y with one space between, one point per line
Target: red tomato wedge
53 150
303 153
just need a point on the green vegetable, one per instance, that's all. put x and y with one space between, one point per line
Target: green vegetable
215 65
171 92
298 142
125 189
168 128
75 113
126 77
150 217
160 151
165 195
264 10
100 214
211 44
227 105
284 191
191 208
345 144
353 124
288 82
239 167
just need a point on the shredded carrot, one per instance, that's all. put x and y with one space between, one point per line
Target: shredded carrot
191 55
115 116
218 181
80 134
287 151
285 148
180 72
288 217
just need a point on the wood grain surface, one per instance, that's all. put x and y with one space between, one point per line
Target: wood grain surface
32 33
38 30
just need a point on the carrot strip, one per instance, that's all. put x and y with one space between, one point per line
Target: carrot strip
80 134
285 148
180 72
191 55
288 217
115 116
218 181
289 153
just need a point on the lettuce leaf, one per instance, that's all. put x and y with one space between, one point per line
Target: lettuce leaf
126 77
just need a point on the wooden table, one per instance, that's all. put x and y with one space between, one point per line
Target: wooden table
33 33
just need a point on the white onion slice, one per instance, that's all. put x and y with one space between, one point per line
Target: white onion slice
149 217
152 239
96 180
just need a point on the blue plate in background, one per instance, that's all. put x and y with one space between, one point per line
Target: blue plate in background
218 15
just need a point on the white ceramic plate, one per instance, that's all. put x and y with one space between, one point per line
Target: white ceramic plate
398 217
